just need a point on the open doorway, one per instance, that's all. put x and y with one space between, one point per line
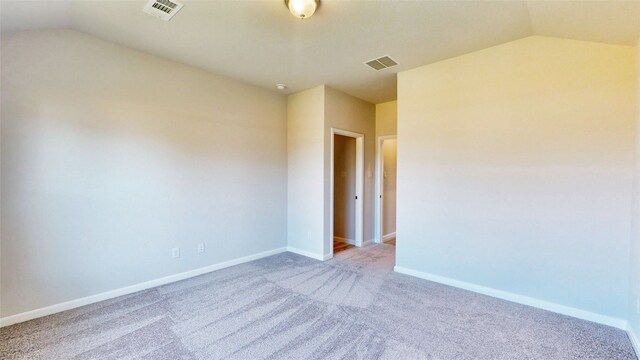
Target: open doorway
386 179
347 183
344 193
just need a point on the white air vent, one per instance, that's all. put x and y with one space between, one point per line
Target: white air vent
162 9
381 63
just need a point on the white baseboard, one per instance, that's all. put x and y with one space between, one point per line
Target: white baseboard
68 305
521 299
388 236
351 241
344 240
307 253
635 340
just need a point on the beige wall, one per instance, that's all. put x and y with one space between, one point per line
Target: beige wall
634 298
305 140
386 125
312 114
515 169
111 157
387 118
344 188
389 154
346 112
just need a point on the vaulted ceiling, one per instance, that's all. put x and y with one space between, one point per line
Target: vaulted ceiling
259 42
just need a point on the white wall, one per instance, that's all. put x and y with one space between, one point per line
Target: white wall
305 170
634 293
389 154
111 157
345 112
515 170
344 188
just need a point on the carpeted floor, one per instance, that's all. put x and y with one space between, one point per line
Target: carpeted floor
291 307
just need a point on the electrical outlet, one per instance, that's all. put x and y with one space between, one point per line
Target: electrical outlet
308 235
175 253
638 306
201 247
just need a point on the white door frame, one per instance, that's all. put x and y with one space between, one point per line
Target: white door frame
359 185
380 185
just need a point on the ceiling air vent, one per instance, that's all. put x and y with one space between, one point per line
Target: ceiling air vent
162 9
381 63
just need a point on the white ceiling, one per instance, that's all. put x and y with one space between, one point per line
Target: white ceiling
259 42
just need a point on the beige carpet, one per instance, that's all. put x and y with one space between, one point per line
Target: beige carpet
291 307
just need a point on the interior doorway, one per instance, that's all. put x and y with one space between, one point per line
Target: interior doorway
347 184
386 174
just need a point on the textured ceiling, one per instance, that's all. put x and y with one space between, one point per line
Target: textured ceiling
259 42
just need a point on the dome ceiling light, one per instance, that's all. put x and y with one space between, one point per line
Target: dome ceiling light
302 9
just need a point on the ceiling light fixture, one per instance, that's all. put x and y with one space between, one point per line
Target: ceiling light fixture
302 9
281 86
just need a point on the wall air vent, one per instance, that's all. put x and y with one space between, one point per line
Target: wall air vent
381 63
162 9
